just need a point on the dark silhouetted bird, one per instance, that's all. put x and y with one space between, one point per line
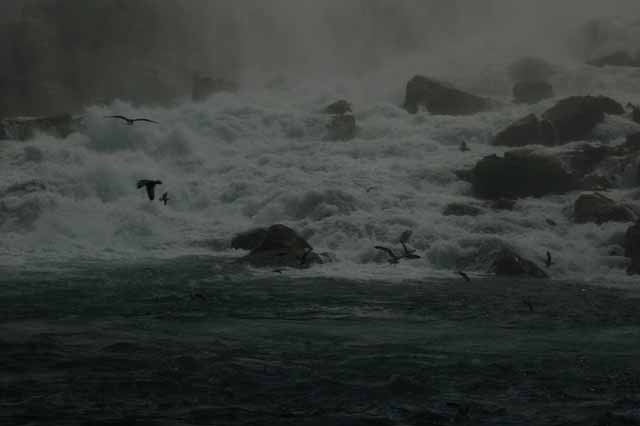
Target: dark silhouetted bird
165 198
130 121
465 276
392 256
150 185
409 254
464 147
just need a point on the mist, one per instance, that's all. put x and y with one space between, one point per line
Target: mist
67 54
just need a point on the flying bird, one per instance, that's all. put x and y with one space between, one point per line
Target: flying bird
464 147
150 185
409 254
393 259
165 198
548 262
130 121
465 276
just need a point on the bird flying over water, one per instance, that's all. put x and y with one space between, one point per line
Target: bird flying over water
130 121
164 198
150 186
548 262
464 147
409 254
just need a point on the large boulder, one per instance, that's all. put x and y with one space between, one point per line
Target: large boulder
575 117
508 263
520 174
282 246
532 92
632 248
440 98
597 208
341 128
23 128
531 69
528 130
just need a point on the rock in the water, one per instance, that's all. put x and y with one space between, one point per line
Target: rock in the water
339 107
204 86
526 131
341 128
619 58
502 204
575 117
249 240
599 209
531 69
23 128
520 174
632 248
459 209
531 92
439 98
509 263
282 246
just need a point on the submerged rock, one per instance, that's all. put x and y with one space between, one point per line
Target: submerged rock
339 107
23 128
281 246
520 174
341 128
439 98
509 263
459 209
619 58
531 92
599 209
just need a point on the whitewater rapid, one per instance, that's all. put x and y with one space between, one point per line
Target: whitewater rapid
257 157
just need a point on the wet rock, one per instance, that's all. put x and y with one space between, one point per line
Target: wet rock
249 240
282 246
531 92
341 128
24 128
599 209
595 182
520 174
339 107
531 69
619 58
635 112
459 209
205 86
509 263
632 248
575 117
440 98
502 204
528 130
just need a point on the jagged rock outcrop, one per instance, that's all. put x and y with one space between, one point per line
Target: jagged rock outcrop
597 208
520 174
341 128
249 240
459 209
532 92
508 263
528 130
339 107
281 246
440 98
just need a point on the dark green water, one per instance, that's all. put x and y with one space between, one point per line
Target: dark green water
194 341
